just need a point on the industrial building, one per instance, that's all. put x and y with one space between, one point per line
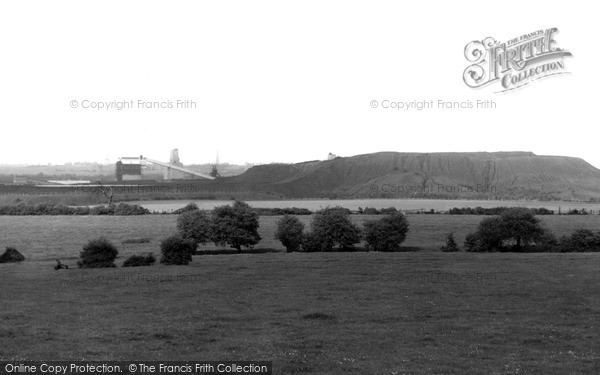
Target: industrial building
131 168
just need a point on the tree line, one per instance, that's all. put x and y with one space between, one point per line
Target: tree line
331 229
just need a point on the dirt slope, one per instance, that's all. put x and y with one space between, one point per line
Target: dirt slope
443 175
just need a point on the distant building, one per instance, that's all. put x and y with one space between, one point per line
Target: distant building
20 180
68 182
129 169
175 158
331 156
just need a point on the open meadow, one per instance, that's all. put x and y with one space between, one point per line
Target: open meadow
422 312
61 237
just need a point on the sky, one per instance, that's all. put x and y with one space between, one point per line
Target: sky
281 81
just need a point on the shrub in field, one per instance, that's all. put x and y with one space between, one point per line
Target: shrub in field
311 244
11 255
189 207
235 226
102 210
60 209
124 209
542 211
194 225
494 211
370 211
450 245
473 243
281 211
581 240
139 260
290 232
98 253
332 227
387 233
177 250
389 210
42 209
516 229
547 242
487 237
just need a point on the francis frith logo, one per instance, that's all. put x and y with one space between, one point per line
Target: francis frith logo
514 63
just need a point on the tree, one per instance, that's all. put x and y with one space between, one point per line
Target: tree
310 243
581 240
332 227
107 192
370 211
235 226
290 232
194 225
11 255
98 253
516 229
139 260
176 250
387 233
487 238
450 245
520 226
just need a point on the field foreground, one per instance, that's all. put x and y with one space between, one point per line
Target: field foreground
362 313
46 238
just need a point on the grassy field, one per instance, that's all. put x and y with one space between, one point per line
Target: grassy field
50 237
339 313
350 313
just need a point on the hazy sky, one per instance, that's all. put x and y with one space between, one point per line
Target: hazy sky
281 81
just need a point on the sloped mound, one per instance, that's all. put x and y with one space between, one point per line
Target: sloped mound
476 175
11 255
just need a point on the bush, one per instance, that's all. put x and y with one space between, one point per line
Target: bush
177 250
495 211
487 238
98 253
311 244
102 210
281 211
124 209
194 225
473 243
42 209
59 209
546 243
387 233
542 211
189 207
516 229
450 245
235 226
575 211
388 211
290 232
11 255
139 261
370 211
332 227
581 240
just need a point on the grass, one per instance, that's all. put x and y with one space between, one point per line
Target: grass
61 237
335 313
352 313
136 240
